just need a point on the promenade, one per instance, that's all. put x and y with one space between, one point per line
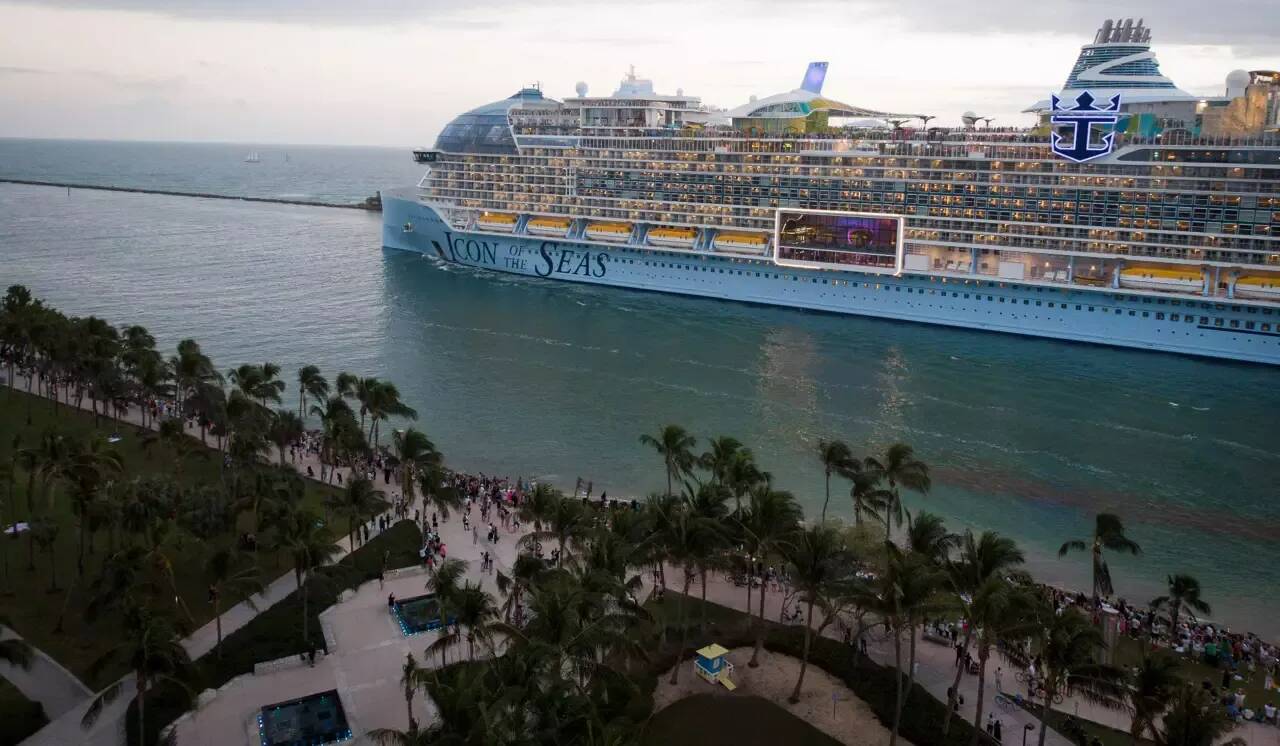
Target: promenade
369 652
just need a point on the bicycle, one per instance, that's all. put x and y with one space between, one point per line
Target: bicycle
1005 702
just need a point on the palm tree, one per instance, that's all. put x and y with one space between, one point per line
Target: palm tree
1152 687
229 573
149 642
312 384
524 573
469 607
285 428
688 539
410 680
384 402
927 536
719 459
675 446
818 566
998 609
770 521
1108 533
1184 590
191 369
902 596
1195 718
310 544
743 475
44 532
93 462
413 452
1068 645
444 501
836 458
898 467
982 559
567 522
359 499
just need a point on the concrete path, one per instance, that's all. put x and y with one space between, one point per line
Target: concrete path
935 663
46 682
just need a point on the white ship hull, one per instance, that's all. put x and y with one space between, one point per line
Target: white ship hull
1209 329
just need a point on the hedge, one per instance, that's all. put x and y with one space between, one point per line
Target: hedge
19 716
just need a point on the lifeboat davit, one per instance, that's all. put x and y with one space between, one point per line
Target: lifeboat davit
1158 278
619 232
679 238
503 222
1258 286
751 242
548 226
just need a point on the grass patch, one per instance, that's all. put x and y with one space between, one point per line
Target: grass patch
79 643
1083 732
1129 655
19 716
922 713
277 631
723 720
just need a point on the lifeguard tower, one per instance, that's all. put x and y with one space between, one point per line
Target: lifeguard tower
711 665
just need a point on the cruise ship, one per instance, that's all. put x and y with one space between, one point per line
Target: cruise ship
1129 212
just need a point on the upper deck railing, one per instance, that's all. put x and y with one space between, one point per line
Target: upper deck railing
848 140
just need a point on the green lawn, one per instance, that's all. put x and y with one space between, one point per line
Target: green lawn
1129 653
19 716
28 600
724 720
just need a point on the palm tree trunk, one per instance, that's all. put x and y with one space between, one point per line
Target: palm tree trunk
217 623
755 654
955 685
684 632
306 618
702 622
897 675
1044 714
827 499
804 658
982 693
142 706
911 663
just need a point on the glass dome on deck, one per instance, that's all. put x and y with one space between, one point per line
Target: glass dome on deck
485 129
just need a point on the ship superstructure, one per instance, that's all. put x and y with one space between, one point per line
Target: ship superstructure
1167 241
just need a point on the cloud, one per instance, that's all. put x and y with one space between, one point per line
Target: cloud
1225 22
12 70
312 12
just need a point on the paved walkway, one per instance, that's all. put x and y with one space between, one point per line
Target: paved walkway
46 682
935 663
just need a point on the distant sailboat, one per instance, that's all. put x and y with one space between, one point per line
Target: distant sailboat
286 157
252 158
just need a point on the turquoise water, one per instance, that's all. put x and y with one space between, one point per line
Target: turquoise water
525 377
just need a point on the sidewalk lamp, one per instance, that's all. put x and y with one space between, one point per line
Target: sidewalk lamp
1025 730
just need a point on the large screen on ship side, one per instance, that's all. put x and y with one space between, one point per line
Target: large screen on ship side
843 240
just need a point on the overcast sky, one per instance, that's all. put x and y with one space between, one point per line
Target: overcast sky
393 72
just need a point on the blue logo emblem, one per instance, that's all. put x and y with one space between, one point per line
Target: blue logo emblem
1077 147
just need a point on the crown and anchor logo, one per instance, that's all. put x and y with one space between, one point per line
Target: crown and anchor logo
1077 146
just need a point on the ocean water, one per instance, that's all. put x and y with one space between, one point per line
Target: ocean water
297 172
526 377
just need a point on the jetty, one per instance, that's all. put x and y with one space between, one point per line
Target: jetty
373 204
